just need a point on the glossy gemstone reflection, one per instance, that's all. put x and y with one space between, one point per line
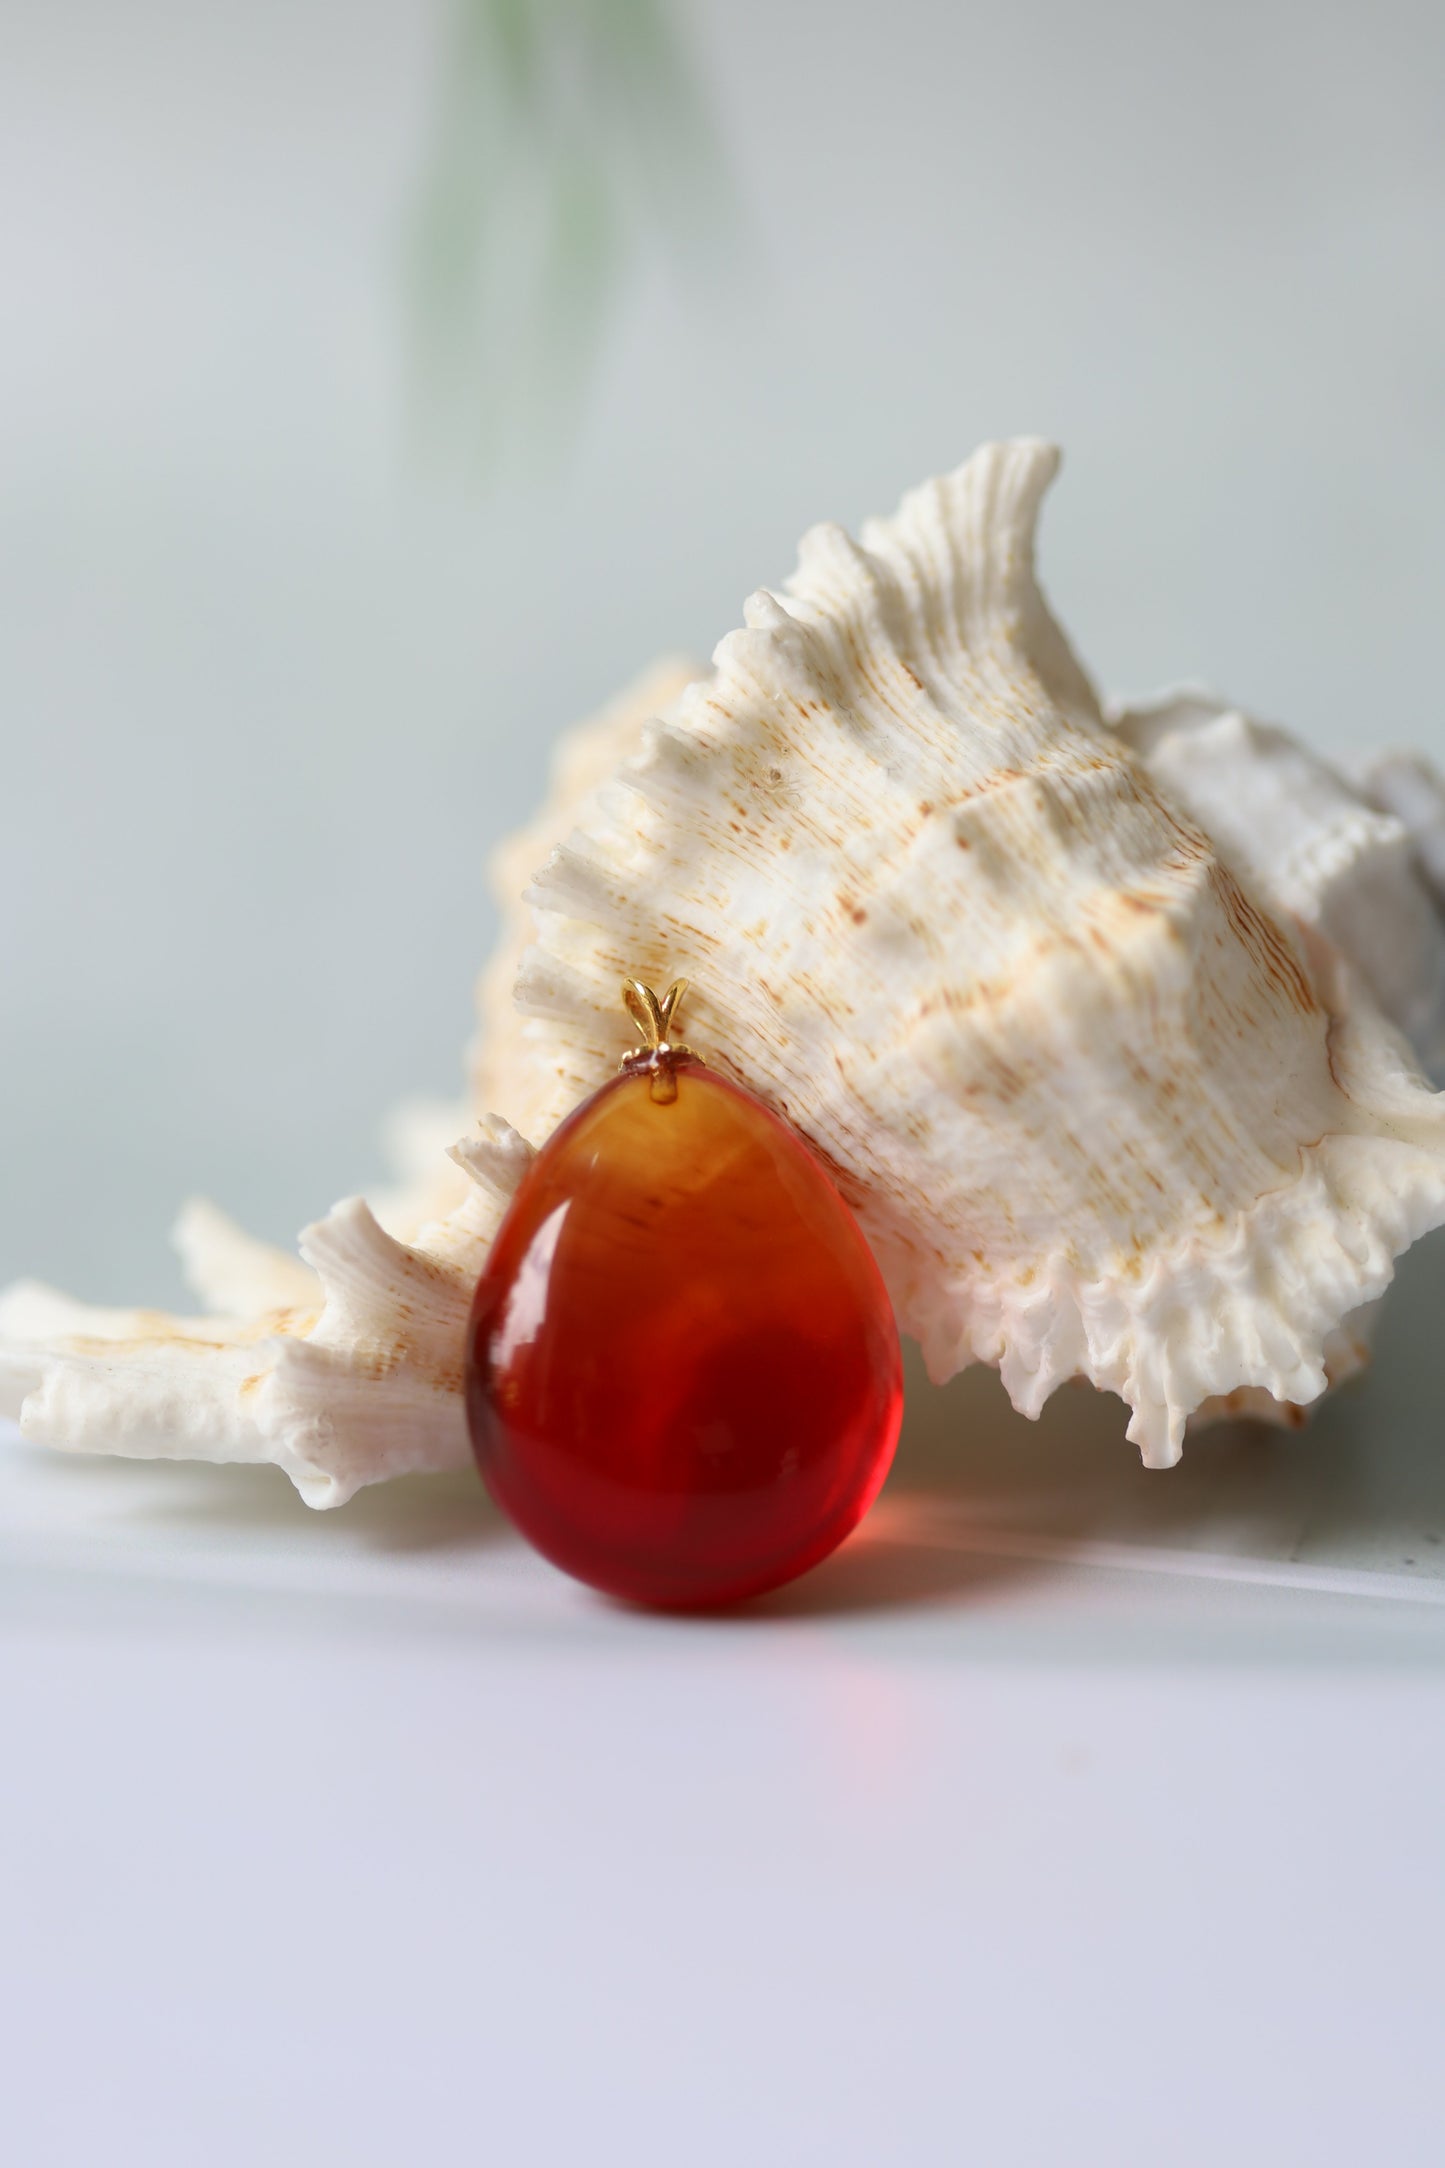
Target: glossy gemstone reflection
683 1376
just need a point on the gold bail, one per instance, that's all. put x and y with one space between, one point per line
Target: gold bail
652 1016
654 1019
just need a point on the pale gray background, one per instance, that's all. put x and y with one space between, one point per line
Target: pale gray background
271 683
1071 1817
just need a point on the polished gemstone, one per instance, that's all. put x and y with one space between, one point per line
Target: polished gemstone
683 1376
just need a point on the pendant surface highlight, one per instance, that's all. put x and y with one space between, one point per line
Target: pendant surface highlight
683 1376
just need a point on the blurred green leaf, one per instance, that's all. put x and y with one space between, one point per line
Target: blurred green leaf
570 134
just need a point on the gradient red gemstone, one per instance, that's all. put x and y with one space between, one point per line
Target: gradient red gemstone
683 1375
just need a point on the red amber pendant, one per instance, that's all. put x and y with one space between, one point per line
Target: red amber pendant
683 1375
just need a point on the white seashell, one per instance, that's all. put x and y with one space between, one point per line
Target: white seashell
1107 1102
1101 1113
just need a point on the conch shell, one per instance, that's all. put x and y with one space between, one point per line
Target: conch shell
1112 1068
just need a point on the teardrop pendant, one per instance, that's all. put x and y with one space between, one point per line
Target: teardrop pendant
683 1377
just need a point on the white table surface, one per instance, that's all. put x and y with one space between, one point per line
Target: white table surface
1070 1815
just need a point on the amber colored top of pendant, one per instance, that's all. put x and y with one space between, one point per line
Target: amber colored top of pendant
683 1374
